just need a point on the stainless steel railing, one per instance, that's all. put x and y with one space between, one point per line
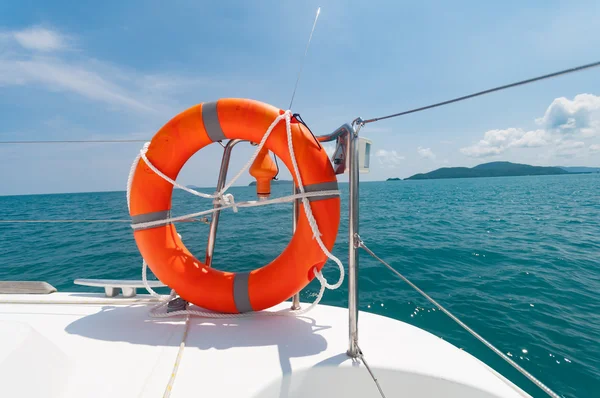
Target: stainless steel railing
353 216
214 222
348 136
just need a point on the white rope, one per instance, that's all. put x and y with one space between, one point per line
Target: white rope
258 148
169 387
228 201
232 205
142 155
145 282
309 214
172 182
220 196
132 172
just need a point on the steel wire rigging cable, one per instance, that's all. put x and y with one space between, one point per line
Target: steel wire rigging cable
525 373
71 141
488 91
304 57
65 221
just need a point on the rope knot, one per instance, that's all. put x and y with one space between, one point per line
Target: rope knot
227 200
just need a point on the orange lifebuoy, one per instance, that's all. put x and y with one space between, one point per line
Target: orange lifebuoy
163 250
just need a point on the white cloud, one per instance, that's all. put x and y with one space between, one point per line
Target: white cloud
426 153
595 148
569 148
531 139
390 159
59 76
496 142
481 149
32 58
82 75
563 120
578 116
40 39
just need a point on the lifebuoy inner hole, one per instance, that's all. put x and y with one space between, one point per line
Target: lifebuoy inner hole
248 239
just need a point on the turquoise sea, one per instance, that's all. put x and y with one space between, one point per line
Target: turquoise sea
516 258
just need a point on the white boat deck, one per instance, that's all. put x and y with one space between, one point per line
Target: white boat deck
86 345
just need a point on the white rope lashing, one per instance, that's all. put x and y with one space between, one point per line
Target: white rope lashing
309 214
219 195
227 200
230 203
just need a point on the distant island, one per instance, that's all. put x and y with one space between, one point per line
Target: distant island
394 179
274 182
578 170
499 169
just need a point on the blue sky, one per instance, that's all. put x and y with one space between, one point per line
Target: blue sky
93 70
